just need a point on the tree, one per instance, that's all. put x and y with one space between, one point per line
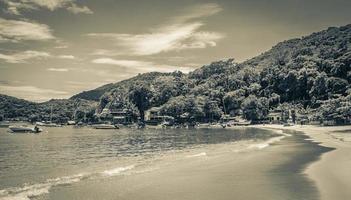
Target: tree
254 108
319 88
140 96
233 100
211 110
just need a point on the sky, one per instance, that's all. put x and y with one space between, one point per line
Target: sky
58 48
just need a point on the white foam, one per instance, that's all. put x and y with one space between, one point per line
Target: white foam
268 142
117 171
28 191
197 155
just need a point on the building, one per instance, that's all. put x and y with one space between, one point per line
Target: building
152 113
121 116
116 116
153 117
275 117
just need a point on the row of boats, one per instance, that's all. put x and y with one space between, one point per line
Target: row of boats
37 127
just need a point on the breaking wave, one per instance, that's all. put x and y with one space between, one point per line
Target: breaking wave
34 190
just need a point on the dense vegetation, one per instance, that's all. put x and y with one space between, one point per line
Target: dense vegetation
57 110
311 75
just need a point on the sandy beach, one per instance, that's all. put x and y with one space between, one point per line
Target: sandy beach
331 173
234 163
263 170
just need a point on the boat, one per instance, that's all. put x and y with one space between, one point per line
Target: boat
25 129
48 124
71 122
4 125
242 123
105 126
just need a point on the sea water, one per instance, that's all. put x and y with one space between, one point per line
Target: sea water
31 165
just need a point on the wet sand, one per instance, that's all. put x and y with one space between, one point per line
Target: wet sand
218 172
331 173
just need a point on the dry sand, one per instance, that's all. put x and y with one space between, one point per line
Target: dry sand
331 173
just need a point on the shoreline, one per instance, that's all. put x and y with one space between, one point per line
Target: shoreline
331 173
219 171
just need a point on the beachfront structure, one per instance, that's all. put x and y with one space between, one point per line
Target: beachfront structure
116 116
153 117
275 117
279 116
152 113
121 116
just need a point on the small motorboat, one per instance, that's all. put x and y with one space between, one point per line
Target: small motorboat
4 125
25 129
105 126
48 124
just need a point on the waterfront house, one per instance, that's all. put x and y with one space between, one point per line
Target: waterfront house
153 117
275 117
121 116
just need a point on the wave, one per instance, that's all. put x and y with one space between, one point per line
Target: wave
265 144
27 192
197 155
117 171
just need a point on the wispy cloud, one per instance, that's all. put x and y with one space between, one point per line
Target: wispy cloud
32 93
198 11
58 69
182 33
17 6
66 56
22 57
16 30
74 8
142 66
104 52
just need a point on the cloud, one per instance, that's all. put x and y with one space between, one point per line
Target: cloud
32 93
16 6
104 52
15 30
24 56
198 11
142 66
76 9
181 34
58 69
66 57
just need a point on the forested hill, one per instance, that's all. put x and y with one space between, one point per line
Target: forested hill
311 74
59 110
97 93
307 73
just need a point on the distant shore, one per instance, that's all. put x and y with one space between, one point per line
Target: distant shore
331 172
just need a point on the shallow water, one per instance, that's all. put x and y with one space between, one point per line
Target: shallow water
84 163
31 163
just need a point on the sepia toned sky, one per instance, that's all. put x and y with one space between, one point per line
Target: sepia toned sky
57 48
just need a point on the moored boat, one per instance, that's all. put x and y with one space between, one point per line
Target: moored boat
24 129
105 126
48 124
4 125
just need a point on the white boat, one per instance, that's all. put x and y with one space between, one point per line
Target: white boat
47 124
25 129
4 125
105 126
71 122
